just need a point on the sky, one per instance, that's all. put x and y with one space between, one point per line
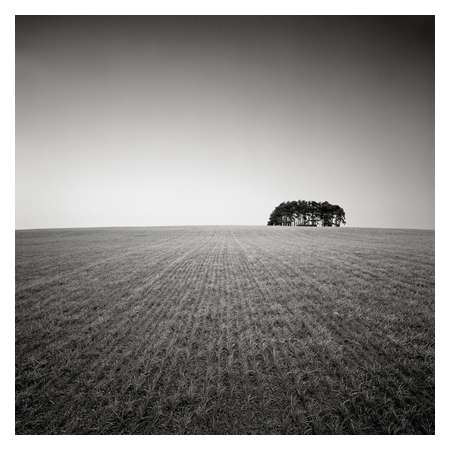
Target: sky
149 121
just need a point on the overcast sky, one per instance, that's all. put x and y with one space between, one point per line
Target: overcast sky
176 121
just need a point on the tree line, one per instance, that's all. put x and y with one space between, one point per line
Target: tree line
307 214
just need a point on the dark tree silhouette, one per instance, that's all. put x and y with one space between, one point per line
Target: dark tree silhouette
307 214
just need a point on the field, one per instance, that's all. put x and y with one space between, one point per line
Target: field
218 330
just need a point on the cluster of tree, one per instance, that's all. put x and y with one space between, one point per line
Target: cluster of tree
308 214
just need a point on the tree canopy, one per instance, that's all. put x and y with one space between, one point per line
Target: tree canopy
307 213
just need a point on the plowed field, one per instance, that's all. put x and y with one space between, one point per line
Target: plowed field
223 330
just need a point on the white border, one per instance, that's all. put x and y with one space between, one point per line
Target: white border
290 7
244 7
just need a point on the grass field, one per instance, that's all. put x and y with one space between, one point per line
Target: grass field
223 330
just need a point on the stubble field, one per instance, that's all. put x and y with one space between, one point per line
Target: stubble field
218 330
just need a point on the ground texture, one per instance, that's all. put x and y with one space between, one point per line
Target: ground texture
212 330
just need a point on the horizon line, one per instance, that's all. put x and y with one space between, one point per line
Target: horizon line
212 225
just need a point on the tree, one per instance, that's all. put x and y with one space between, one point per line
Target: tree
307 213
